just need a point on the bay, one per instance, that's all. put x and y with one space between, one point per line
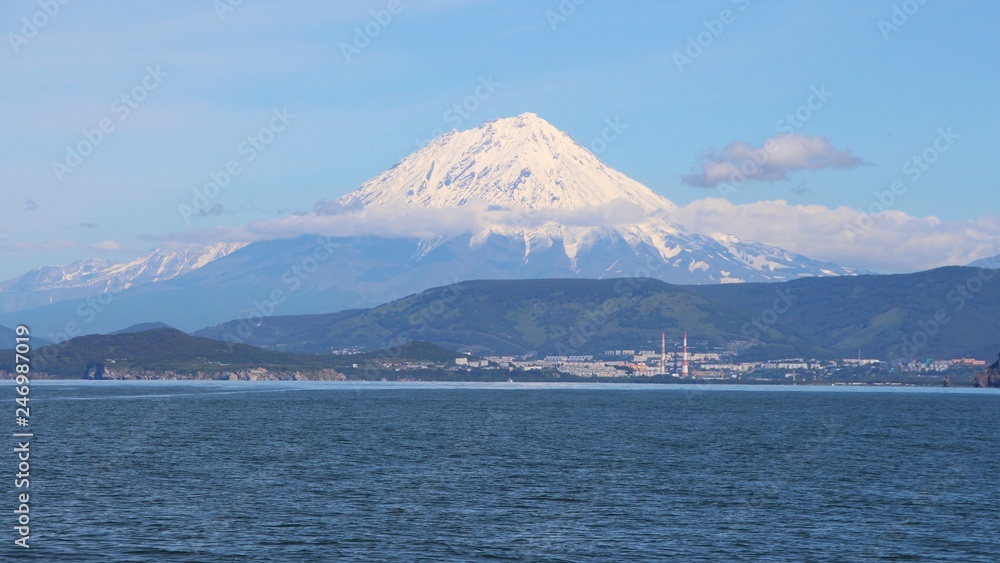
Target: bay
231 471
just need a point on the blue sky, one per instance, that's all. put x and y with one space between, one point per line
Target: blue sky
209 78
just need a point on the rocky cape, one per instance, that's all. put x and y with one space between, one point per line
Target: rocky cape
990 377
251 374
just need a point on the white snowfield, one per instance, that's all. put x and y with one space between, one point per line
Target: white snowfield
520 161
106 275
525 164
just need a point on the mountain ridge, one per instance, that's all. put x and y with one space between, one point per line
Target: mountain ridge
94 276
885 316
990 262
532 202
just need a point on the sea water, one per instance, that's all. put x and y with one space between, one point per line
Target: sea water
270 471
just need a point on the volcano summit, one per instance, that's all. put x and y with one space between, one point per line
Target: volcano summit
520 183
515 198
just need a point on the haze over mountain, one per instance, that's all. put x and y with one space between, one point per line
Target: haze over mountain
992 262
514 198
142 327
94 276
8 339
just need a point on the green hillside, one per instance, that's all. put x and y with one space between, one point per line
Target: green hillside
881 314
942 313
8 336
171 350
563 317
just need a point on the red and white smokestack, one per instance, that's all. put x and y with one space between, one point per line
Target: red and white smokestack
663 352
684 365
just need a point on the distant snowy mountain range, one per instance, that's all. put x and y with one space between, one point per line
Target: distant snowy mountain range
514 198
93 276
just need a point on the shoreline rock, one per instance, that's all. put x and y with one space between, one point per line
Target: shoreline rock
990 378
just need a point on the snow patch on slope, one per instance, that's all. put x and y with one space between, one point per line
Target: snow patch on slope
521 179
105 275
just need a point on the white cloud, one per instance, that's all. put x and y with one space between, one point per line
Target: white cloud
772 161
332 220
890 241
107 245
62 244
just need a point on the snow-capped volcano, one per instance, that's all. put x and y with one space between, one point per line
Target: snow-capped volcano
551 187
521 162
512 199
